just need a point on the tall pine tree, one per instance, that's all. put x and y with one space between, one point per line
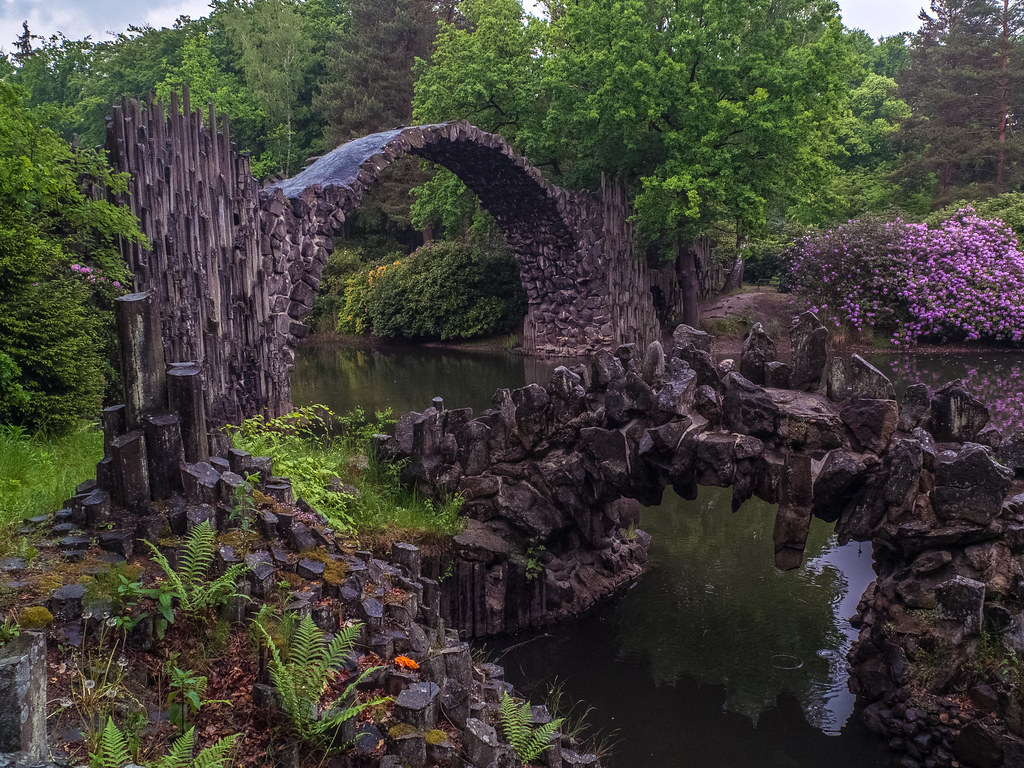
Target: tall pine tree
963 84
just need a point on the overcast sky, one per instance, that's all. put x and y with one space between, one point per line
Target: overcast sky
78 18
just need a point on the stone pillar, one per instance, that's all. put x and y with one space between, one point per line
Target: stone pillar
164 453
23 696
185 398
142 356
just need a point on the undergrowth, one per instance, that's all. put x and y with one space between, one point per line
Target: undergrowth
328 458
38 472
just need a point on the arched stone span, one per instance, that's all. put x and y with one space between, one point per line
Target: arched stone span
582 295
234 269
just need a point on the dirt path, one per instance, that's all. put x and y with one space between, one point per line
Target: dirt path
728 318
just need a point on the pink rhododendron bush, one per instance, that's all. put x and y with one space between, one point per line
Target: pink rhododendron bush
963 280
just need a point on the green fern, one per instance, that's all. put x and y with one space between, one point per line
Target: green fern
526 740
113 749
180 754
301 679
189 584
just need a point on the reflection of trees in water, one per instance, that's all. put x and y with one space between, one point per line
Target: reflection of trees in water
993 378
713 607
404 378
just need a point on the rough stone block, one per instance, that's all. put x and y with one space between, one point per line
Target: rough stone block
23 696
417 705
962 600
480 742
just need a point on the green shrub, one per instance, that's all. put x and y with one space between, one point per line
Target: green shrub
342 264
445 290
1008 208
58 261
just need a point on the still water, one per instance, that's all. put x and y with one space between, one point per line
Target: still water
713 659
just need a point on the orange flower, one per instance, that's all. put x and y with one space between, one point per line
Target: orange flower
405 661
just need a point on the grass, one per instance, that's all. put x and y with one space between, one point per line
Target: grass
728 327
319 449
39 472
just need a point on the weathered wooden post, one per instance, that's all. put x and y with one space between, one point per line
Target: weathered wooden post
142 357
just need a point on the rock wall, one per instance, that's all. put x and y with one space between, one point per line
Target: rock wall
234 269
554 478
197 203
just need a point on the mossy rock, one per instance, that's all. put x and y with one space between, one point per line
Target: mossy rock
35 617
335 573
402 729
435 737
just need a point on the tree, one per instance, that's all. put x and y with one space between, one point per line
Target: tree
370 77
275 55
484 69
963 83
707 112
56 243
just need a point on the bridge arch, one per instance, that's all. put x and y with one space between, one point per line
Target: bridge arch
235 268
551 231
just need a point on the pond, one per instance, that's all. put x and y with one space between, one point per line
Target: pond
712 659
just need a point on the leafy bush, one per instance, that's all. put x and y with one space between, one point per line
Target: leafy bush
56 242
1008 208
444 290
962 280
342 264
854 272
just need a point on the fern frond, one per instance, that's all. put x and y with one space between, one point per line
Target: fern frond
539 740
216 756
220 589
337 717
113 748
526 740
341 646
197 556
180 754
177 588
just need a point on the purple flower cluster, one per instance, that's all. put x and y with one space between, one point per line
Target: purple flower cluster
93 275
963 280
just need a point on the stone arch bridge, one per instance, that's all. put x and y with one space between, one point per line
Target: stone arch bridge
235 268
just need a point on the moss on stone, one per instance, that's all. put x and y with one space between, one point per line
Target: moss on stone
335 572
35 617
400 730
435 736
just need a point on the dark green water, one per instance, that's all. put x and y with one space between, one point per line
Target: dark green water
713 659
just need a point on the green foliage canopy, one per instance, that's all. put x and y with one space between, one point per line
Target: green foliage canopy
51 345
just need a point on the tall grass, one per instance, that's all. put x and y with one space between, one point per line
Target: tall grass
317 449
38 472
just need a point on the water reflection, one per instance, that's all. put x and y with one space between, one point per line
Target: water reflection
714 653
406 378
993 377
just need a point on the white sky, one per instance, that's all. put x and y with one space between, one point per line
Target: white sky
99 18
